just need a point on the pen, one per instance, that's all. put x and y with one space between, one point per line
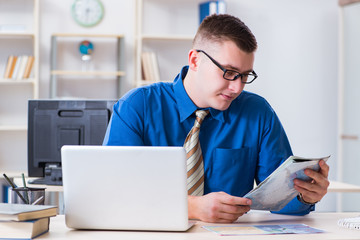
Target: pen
38 200
26 193
14 187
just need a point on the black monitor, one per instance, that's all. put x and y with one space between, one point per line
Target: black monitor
54 123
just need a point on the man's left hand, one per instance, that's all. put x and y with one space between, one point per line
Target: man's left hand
314 191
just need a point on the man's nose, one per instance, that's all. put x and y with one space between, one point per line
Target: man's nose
236 86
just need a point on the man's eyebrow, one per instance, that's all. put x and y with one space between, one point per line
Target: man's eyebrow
231 67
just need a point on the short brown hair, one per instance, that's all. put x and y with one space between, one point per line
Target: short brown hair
220 27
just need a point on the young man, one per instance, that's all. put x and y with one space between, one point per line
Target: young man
241 137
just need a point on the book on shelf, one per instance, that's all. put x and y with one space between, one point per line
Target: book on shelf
29 67
25 229
22 66
22 212
155 67
277 189
16 68
19 67
211 7
10 65
150 66
145 64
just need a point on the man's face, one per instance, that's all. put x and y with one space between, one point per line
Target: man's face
211 89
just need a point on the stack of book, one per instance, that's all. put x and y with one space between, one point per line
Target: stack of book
19 67
22 221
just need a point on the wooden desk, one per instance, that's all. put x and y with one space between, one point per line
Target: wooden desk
55 195
324 221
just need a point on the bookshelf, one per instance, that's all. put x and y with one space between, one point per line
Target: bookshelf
348 154
165 28
19 36
60 71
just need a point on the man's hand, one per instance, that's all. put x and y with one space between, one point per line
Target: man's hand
315 190
217 207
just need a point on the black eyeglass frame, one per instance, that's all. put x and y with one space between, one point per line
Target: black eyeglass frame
241 75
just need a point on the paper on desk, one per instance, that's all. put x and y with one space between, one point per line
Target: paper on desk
235 230
277 190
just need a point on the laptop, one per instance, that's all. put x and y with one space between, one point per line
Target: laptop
125 188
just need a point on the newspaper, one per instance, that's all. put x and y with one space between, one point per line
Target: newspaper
277 189
238 230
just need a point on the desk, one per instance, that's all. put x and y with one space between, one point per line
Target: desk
334 186
55 195
324 221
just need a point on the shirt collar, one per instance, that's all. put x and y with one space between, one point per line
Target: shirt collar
185 104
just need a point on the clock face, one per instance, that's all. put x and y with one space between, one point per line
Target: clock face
87 13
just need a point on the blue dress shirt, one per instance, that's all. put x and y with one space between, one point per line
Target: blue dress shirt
243 143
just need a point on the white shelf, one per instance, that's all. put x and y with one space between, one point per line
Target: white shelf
87 73
58 71
348 97
342 187
17 34
23 81
88 35
14 93
147 82
13 128
162 33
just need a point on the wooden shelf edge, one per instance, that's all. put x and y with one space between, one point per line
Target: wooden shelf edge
22 81
146 82
88 35
90 73
336 186
167 37
13 128
17 34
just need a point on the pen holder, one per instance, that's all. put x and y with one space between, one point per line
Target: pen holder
28 195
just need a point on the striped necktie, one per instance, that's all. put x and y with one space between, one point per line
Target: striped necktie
195 166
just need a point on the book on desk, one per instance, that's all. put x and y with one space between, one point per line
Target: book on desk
23 221
23 212
24 229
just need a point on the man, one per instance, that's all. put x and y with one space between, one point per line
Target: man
241 137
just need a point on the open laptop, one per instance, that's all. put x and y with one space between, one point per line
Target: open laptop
125 188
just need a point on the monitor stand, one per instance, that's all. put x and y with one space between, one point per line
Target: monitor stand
52 176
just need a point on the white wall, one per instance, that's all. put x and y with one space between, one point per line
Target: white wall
297 66
296 62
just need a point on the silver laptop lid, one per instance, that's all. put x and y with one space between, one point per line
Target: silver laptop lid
126 188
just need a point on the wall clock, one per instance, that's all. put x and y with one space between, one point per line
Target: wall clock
87 13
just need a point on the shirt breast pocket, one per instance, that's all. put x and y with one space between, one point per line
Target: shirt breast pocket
233 170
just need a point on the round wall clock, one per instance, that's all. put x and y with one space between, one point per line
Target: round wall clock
87 13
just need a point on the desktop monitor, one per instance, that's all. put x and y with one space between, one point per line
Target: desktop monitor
54 123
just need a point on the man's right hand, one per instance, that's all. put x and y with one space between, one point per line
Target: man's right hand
217 207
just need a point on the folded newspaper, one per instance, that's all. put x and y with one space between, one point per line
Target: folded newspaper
277 189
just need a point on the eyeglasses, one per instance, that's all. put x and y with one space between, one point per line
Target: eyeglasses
232 75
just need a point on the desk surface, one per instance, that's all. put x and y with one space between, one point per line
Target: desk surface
324 221
335 186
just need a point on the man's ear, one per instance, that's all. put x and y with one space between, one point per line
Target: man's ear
193 59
